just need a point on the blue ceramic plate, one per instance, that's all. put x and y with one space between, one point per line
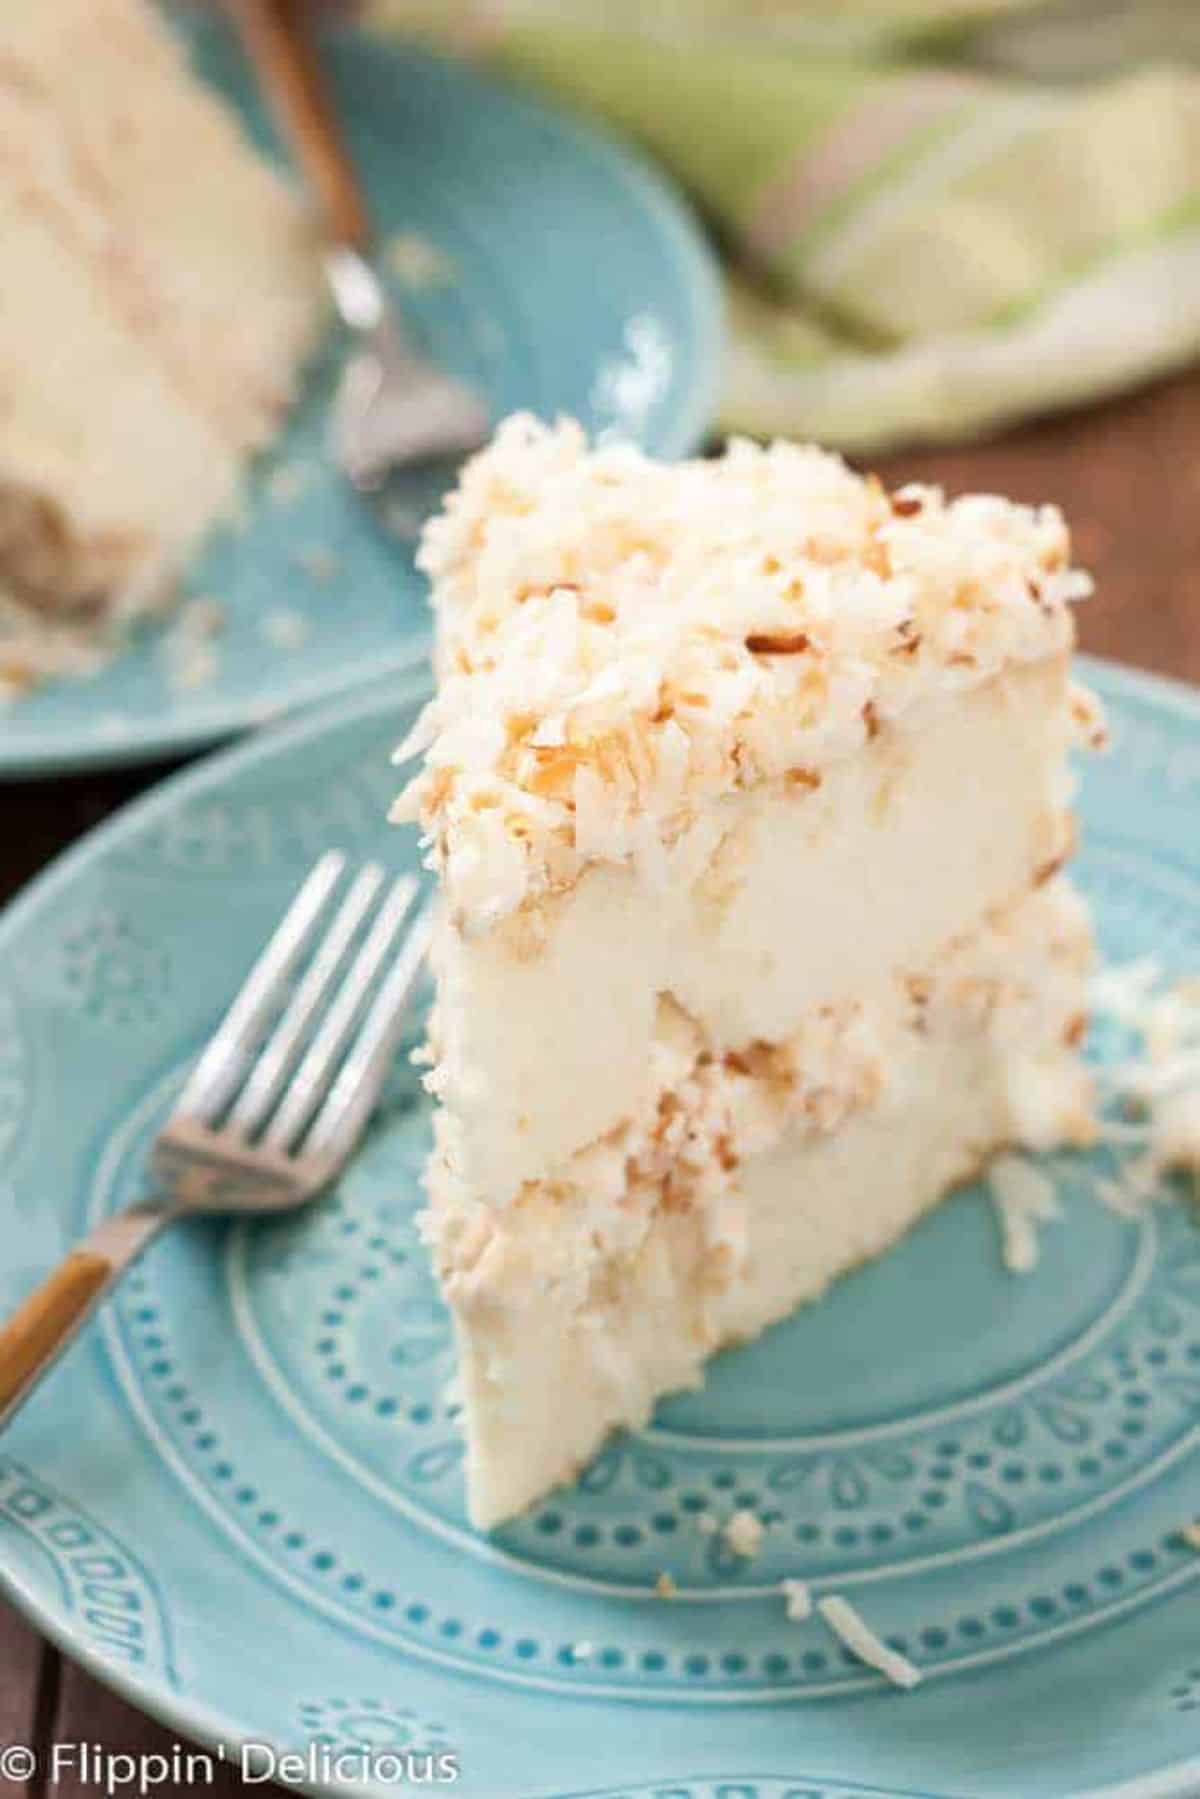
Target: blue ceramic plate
240 1499
538 258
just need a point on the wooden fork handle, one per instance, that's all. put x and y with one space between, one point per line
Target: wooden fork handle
42 1326
40 1329
279 40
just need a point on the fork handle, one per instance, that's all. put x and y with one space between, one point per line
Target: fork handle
45 1323
279 40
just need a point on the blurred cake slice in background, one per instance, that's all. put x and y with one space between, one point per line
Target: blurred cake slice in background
746 788
161 291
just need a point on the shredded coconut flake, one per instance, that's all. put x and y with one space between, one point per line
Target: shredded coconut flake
798 1600
852 1630
1156 1089
1024 1197
620 640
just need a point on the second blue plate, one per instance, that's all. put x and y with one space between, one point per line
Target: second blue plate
529 253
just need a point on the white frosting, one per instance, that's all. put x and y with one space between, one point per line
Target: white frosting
622 641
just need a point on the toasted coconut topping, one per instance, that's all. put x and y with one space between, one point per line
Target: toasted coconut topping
620 640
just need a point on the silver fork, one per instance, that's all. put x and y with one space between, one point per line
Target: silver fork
394 407
275 1105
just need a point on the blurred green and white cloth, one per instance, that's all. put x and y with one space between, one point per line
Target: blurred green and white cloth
939 215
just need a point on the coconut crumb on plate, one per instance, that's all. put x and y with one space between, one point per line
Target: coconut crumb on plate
798 1600
852 1629
1150 1119
1153 1095
744 1533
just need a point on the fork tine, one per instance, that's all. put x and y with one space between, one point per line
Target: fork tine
220 1068
311 1080
339 1123
277 1060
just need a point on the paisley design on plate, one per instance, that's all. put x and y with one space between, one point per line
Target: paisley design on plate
112 972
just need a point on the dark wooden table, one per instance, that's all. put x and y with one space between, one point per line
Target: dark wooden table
1128 476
